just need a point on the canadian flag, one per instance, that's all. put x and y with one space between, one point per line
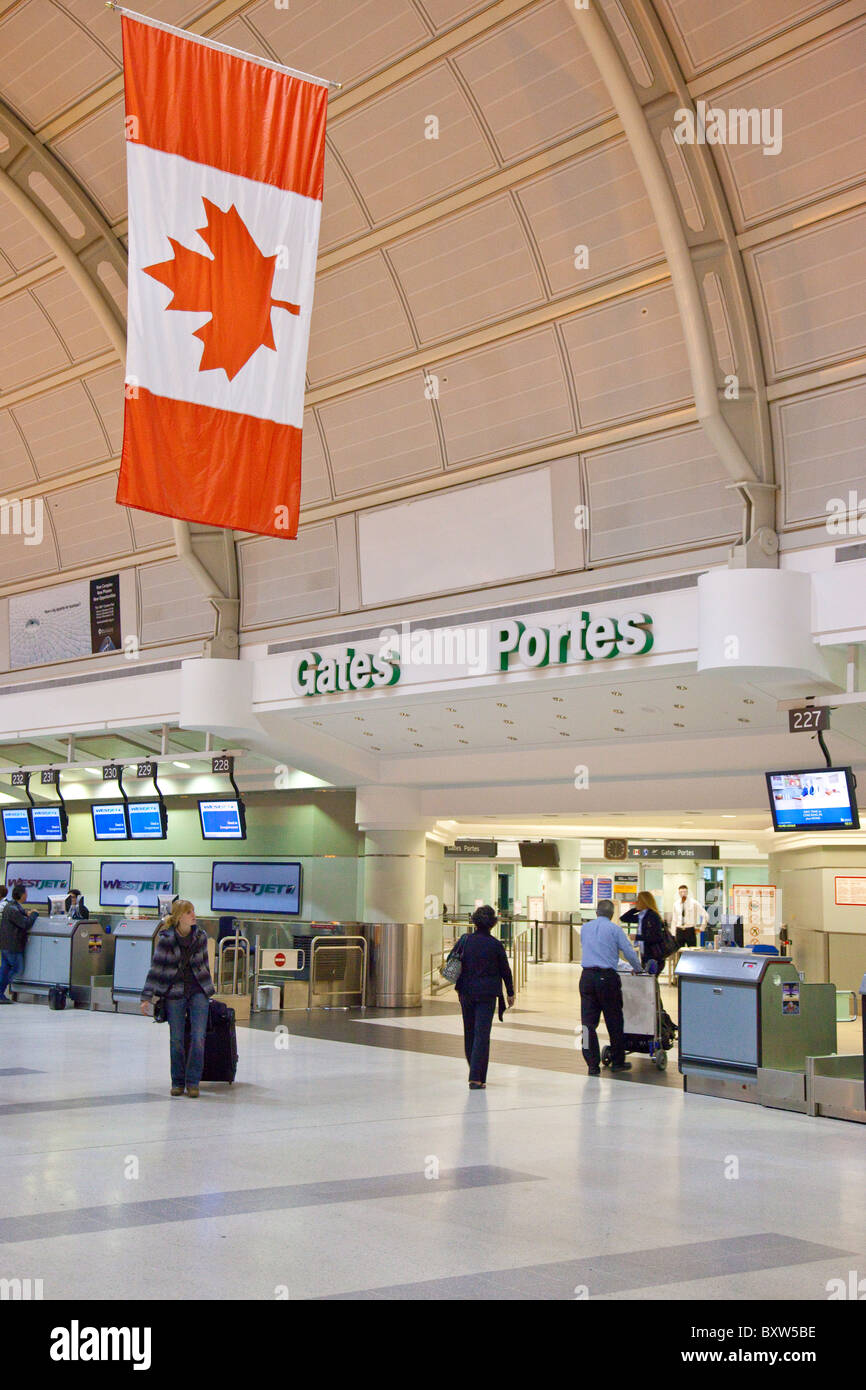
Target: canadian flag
225 162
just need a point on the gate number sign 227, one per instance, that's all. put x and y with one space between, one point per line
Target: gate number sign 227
809 719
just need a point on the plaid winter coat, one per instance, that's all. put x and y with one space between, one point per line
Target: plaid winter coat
164 974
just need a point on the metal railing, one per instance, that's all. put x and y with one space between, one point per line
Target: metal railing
338 972
233 965
520 960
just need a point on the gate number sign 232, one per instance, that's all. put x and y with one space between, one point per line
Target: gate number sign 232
809 719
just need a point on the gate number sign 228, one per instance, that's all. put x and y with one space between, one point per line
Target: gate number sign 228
808 720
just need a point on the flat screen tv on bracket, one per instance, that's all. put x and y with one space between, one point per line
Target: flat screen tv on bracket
109 820
17 827
263 889
539 854
134 882
818 799
147 820
222 818
43 878
49 823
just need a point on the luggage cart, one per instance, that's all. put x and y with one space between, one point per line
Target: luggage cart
648 1029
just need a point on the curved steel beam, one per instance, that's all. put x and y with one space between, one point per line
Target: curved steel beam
754 490
81 256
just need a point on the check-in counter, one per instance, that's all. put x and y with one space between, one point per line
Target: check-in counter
134 943
64 952
747 1025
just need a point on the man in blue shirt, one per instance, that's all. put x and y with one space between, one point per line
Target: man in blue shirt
601 942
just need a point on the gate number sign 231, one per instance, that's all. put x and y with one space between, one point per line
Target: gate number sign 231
809 719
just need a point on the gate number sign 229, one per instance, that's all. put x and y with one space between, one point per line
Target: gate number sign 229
809 719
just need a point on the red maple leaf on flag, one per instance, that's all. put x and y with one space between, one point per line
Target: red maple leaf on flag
234 287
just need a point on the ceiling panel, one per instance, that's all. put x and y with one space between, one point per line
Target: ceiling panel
73 318
164 618
358 319
105 26
811 294
655 494
62 430
20 559
106 392
21 245
344 40
281 581
382 435
466 270
628 358
38 89
819 439
16 462
95 152
315 481
822 149
90 527
534 80
149 529
597 201
504 398
342 214
443 14
384 147
705 34
29 346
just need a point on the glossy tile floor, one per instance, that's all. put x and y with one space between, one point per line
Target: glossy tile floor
337 1168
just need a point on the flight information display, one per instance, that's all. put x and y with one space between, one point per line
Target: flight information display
109 820
16 824
47 823
145 820
819 800
222 819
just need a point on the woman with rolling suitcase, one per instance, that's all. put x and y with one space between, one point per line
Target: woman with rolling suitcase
180 976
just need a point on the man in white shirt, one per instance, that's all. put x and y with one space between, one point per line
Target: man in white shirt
687 915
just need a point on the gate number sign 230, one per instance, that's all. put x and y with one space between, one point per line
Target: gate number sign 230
808 720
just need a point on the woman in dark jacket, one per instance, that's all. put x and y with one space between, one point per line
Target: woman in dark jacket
650 932
479 989
180 973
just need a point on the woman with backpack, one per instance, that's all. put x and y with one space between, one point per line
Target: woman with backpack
180 975
650 938
484 969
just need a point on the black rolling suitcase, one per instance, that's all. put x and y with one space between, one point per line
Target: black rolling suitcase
220 1043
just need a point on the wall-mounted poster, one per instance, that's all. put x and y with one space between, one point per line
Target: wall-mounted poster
70 620
587 884
755 903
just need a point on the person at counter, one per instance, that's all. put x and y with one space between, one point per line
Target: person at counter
15 924
686 916
75 907
180 974
601 942
650 935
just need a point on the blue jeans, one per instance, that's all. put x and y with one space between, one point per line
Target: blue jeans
12 964
187 1070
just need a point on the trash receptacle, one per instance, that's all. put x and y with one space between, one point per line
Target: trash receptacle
393 964
268 998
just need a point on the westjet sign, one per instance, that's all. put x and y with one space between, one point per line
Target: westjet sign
273 888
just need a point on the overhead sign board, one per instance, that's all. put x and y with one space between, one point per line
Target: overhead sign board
474 849
673 851
809 719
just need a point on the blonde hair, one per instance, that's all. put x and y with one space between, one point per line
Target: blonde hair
178 909
646 900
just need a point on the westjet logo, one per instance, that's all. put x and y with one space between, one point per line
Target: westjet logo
58 885
77 1343
227 886
137 885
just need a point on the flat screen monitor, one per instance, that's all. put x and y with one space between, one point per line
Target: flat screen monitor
539 854
147 820
16 824
222 819
49 823
109 820
821 799
134 883
269 889
43 878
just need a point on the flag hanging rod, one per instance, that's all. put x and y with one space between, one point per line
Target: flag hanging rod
222 47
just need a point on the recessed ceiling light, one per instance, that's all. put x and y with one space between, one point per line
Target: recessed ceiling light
616 692
558 700
748 702
678 726
460 726
185 766
508 721
618 711
511 738
682 687
417 745
728 817
741 719
404 716
94 770
462 740
679 706
562 716
563 733
359 716
500 704
618 730
410 730
367 733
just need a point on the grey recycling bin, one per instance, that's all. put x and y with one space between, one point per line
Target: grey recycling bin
393 964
